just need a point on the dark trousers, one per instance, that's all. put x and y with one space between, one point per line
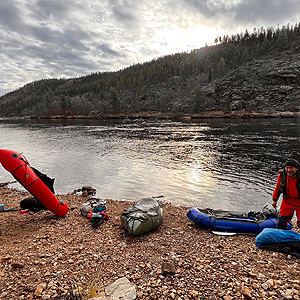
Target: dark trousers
283 221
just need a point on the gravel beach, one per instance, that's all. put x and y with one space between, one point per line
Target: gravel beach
48 257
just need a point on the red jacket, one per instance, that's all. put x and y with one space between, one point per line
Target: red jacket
291 188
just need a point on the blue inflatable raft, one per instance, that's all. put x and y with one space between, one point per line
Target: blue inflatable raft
227 221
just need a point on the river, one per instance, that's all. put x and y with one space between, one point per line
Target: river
225 164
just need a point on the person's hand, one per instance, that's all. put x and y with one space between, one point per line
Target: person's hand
274 204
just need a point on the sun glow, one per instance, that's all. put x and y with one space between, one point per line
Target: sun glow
183 39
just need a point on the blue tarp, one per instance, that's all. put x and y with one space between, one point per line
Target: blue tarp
272 235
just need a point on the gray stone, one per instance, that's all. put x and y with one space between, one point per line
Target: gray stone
121 289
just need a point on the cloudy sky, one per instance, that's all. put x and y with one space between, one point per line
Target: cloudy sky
70 38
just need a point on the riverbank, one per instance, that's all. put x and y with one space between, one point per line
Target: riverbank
47 257
167 116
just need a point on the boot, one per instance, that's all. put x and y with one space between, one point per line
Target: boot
283 221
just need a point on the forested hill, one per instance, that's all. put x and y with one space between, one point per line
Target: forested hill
258 71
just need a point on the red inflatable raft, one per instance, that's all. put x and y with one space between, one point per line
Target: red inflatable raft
18 166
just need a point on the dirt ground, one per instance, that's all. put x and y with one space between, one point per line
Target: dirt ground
48 257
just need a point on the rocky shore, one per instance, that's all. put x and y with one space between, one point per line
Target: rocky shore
47 257
239 114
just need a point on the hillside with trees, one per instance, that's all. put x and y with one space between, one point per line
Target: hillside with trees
257 71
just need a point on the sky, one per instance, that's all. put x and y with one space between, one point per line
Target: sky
42 39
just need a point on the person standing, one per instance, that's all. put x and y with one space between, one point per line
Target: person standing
288 184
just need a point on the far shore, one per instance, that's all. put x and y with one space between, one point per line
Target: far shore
166 116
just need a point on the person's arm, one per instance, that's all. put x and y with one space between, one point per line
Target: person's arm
276 192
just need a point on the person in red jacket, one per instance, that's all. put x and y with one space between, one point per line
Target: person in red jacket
288 184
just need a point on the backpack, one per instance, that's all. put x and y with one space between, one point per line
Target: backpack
32 204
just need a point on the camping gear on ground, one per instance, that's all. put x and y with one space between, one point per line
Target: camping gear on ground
95 210
231 221
142 217
279 240
32 204
97 218
2 209
93 204
19 167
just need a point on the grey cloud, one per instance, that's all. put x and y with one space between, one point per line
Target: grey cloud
107 51
60 10
267 11
10 17
206 8
246 12
125 14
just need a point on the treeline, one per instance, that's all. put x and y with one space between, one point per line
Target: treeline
171 83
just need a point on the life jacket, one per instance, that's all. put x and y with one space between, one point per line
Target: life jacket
283 183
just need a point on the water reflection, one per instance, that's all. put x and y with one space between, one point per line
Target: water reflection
228 164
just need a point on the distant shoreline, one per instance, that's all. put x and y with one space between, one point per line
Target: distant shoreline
164 116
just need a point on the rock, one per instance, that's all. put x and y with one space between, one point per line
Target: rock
265 286
287 297
253 275
194 294
271 283
17 265
38 291
88 191
3 295
246 293
168 268
121 289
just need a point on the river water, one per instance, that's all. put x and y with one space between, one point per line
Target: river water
225 164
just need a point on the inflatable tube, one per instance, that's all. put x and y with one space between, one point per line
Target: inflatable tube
18 166
231 224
